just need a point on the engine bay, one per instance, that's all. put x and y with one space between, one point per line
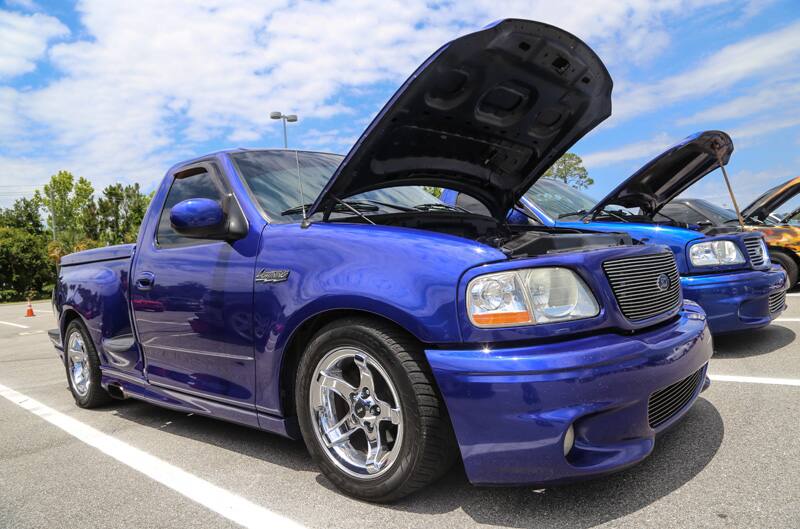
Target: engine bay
514 241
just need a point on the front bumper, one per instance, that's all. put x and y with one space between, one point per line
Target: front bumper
736 301
512 408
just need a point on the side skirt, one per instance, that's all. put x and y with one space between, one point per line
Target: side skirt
140 389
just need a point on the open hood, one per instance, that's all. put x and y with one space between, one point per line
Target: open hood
772 200
486 115
669 174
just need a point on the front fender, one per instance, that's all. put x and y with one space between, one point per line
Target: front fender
403 275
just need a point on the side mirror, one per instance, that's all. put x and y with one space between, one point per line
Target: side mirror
516 216
199 218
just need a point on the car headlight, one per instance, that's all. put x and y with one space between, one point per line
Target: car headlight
529 296
715 253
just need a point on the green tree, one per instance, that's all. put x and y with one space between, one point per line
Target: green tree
570 170
25 215
84 209
68 205
136 205
24 266
120 212
435 191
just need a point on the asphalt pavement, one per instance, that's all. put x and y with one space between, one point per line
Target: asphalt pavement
734 461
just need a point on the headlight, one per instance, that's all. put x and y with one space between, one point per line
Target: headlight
715 253
529 296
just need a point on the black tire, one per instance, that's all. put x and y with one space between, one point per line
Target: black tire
95 394
428 448
787 263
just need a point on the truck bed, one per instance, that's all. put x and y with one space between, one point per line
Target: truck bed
95 284
107 253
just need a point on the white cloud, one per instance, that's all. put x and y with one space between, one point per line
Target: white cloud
754 7
23 40
783 95
28 5
765 54
340 140
747 184
632 151
766 126
742 136
150 82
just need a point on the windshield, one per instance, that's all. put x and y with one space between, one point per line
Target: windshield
792 219
557 199
272 178
717 214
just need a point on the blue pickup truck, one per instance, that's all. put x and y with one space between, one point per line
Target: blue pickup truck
391 332
724 269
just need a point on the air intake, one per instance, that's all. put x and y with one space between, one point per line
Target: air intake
776 301
665 403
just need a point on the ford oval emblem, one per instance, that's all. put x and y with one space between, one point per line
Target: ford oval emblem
663 282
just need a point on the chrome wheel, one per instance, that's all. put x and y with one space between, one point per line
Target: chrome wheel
356 413
78 364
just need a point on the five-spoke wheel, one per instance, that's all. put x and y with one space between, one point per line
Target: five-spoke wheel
83 367
356 410
78 364
369 410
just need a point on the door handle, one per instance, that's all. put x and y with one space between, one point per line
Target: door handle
145 280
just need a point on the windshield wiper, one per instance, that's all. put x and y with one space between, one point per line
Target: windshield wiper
754 220
573 213
440 206
340 207
388 205
609 213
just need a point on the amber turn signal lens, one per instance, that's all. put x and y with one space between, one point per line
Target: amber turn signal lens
502 318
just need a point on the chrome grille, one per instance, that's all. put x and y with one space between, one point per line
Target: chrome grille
638 284
776 301
754 251
665 403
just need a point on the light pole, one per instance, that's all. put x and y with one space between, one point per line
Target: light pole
291 118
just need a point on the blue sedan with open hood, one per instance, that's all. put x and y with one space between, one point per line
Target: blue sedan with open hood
723 268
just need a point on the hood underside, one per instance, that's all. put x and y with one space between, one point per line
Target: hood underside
486 115
767 203
671 173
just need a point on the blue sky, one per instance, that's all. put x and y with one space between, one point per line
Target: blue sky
118 92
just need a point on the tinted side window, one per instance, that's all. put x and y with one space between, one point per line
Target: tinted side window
189 185
472 205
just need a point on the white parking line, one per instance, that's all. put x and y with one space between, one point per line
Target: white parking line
756 380
225 503
786 319
14 324
793 295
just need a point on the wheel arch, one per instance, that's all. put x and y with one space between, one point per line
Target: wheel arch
300 336
67 316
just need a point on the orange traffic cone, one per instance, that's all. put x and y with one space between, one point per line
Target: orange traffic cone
29 313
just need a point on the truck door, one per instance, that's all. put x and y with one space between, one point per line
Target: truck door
192 299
